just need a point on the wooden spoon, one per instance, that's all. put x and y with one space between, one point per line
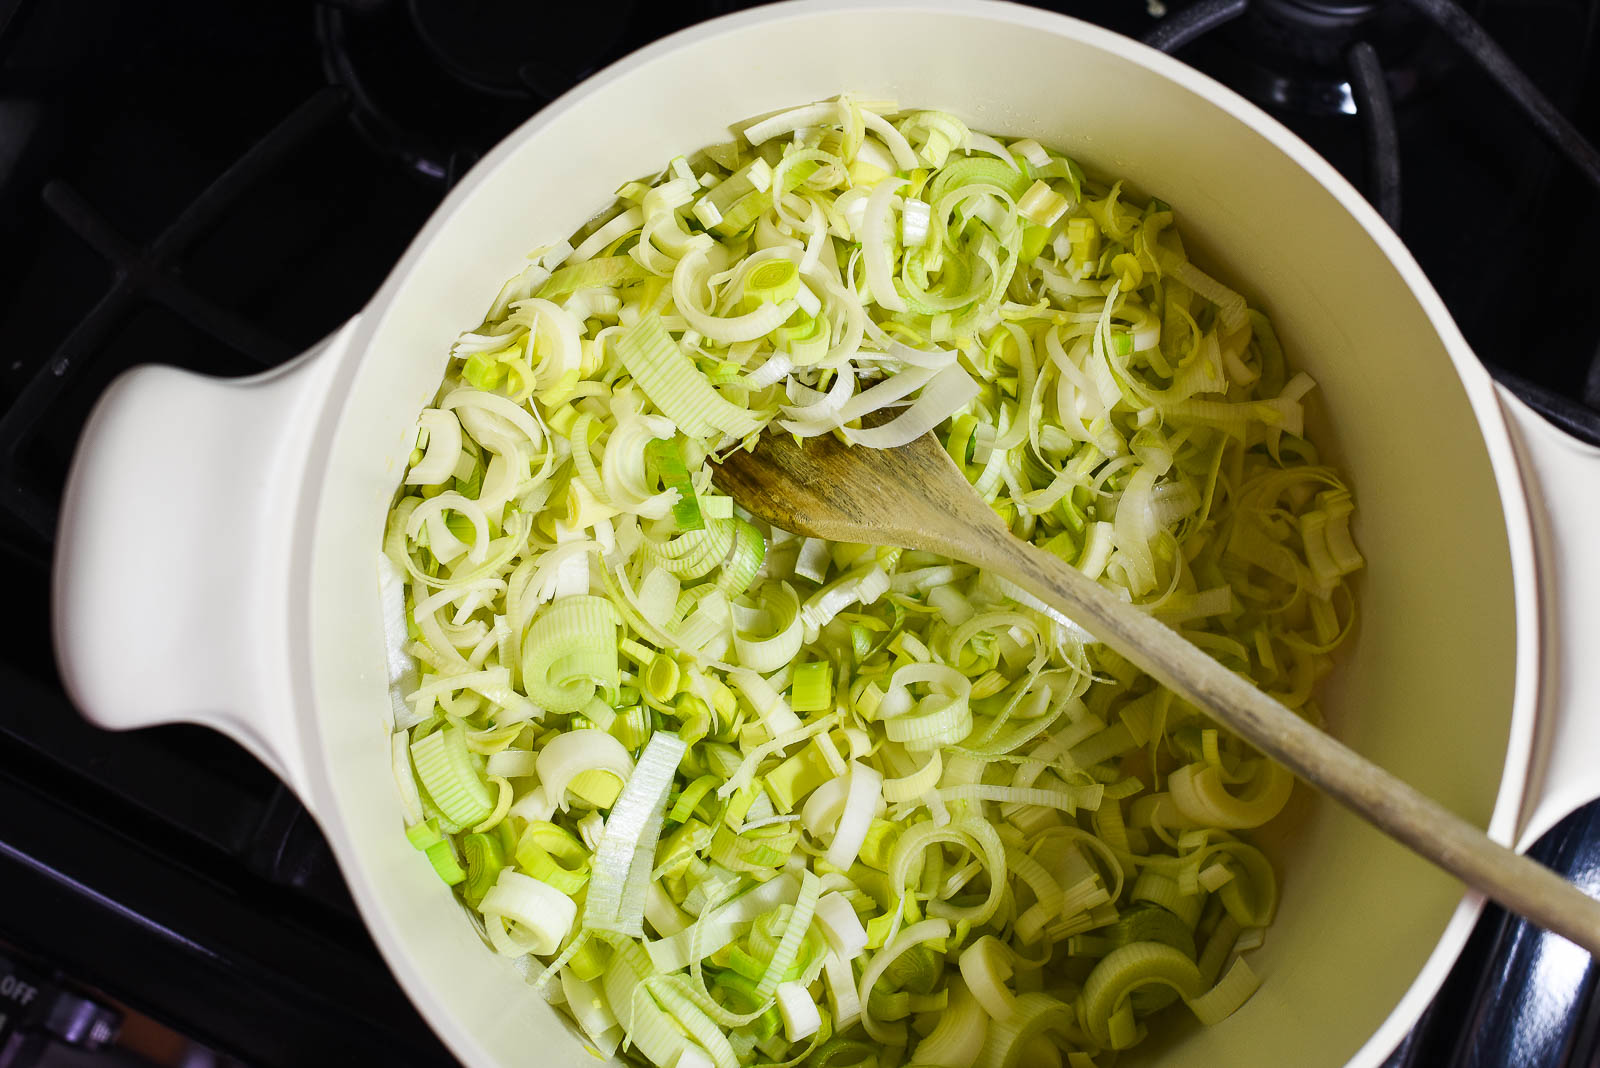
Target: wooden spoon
915 497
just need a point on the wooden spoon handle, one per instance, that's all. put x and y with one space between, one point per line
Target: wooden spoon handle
1417 821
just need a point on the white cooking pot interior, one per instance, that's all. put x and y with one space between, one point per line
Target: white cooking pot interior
1425 687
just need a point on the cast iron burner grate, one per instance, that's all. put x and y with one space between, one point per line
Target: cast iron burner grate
1324 57
139 274
1295 54
436 83
1319 37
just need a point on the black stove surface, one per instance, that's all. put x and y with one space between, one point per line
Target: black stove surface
218 186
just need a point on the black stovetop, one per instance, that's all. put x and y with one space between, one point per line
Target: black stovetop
219 185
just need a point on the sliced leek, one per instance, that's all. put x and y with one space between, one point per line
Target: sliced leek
756 798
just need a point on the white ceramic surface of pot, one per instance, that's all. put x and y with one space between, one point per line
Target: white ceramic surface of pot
247 598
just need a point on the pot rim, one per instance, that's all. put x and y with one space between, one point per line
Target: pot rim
355 355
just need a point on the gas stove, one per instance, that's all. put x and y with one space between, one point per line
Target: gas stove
218 186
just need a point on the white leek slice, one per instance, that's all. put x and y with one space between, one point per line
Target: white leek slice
469 404
1200 795
904 155
860 807
590 828
431 513
780 615
794 934
569 652
716 930
914 935
792 120
824 806
858 587
945 394
659 911
1222 1000
812 562
976 835
444 448
534 806
985 968
841 926
555 346
587 1004
626 853
405 779
875 237
1125 969
957 1040
613 228
445 768
914 218
819 418
676 386
1010 1040
569 755
844 1001
916 783
798 1010
690 275
526 915
773 711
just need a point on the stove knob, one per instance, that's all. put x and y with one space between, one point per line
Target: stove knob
81 1022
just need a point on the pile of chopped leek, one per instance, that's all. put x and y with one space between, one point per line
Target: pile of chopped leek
732 796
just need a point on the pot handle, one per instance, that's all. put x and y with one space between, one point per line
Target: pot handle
171 592
1563 479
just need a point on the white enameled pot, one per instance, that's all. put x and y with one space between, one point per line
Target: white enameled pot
249 601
